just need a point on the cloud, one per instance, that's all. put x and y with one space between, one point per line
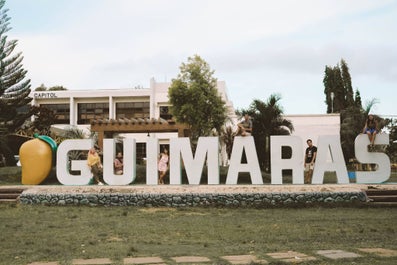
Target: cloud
256 46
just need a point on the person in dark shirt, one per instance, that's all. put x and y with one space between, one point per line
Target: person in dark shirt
310 158
371 129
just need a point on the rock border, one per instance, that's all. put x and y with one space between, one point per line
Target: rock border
192 196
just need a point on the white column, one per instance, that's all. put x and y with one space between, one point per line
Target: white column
72 112
111 108
33 103
152 97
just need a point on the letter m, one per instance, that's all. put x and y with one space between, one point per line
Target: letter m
180 151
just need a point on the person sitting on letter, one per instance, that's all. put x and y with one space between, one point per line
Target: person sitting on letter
244 126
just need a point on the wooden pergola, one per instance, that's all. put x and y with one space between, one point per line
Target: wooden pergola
107 127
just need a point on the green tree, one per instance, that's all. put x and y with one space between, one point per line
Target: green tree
337 82
41 125
352 124
227 137
357 99
44 119
57 88
14 88
347 84
391 150
195 99
267 120
42 87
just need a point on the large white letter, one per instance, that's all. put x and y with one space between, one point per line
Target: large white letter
63 174
152 152
331 143
206 147
363 156
252 166
278 163
129 162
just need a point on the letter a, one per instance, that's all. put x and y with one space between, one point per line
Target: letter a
252 165
331 143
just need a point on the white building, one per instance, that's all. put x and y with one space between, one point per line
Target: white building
80 107
311 126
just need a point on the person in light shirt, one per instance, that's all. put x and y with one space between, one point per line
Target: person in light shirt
95 165
118 164
163 165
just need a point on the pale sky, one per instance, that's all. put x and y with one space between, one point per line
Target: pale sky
256 47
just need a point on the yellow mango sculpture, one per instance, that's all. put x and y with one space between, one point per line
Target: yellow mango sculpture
36 157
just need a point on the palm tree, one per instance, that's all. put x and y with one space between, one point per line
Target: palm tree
73 132
227 137
267 120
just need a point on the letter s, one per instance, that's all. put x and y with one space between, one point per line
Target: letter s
363 156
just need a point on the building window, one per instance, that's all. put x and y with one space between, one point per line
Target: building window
132 110
165 113
61 112
91 111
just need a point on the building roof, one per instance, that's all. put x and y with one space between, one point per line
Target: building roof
123 125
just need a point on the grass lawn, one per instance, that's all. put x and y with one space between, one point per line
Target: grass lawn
41 233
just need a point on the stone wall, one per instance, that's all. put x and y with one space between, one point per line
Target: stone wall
257 200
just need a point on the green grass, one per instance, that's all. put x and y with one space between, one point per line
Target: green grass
10 175
39 233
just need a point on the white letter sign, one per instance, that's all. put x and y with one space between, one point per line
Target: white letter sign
252 166
363 156
331 143
206 147
63 174
329 159
152 152
278 163
129 162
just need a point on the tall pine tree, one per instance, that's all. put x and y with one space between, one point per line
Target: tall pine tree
337 80
357 99
347 84
14 88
